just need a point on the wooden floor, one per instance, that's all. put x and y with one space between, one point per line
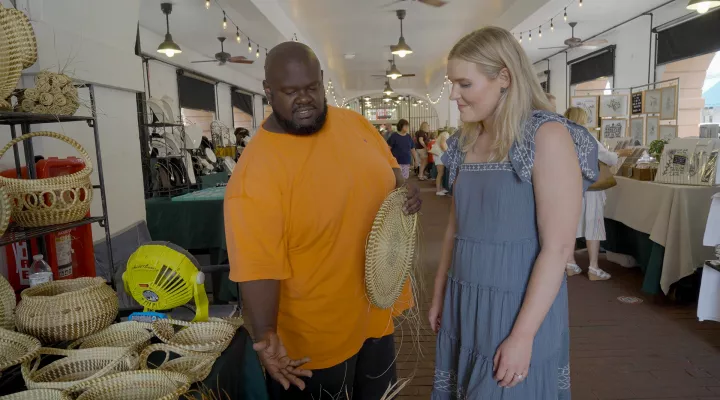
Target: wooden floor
650 350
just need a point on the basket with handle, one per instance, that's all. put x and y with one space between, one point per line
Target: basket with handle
16 348
66 310
195 365
38 394
136 385
213 337
132 334
49 201
76 366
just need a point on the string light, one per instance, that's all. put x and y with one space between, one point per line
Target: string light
552 26
580 4
238 32
257 52
237 35
207 4
565 15
446 82
530 36
540 31
330 90
249 46
224 21
520 37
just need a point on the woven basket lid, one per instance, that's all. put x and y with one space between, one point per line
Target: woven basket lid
390 251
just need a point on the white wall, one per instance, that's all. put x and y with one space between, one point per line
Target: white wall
224 106
163 82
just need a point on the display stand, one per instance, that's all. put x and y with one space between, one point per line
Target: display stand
25 120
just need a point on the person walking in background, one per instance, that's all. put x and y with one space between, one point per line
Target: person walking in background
437 150
592 219
401 145
421 138
500 304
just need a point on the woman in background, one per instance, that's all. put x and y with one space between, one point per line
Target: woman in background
500 302
592 219
438 149
401 145
421 139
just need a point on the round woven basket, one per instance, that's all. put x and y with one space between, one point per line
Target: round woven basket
7 305
11 53
50 201
137 385
66 310
130 334
76 366
38 394
390 251
5 210
213 337
193 364
28 44
16 348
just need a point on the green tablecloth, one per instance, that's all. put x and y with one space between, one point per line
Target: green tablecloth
195 224
208 181
649 255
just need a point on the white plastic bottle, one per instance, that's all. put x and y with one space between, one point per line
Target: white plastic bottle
40 271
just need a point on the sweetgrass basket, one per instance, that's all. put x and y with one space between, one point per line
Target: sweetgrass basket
131 334
211 336
390 251
16 348
136 385
49 201
66 310
38 394
7 305
193 364
11 53
26 37
76 366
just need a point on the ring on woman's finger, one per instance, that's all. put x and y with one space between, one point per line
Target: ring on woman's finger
519 377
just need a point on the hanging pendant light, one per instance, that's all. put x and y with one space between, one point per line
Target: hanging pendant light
401 49
394 72
168 47
257 53
207 4
249 46
237 35
388 90
702 6
224 21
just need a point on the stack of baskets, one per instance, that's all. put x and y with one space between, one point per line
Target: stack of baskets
53 94
18 50
105 360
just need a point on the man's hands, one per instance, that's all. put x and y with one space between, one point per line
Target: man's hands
413 203
274 358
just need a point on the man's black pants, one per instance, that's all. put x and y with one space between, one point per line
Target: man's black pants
365 376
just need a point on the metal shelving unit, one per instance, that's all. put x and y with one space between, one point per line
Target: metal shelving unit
15 233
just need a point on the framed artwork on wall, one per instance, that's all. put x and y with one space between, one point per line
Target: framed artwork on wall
613 128
590 105
668 132
637 131
636 103
614 106
652 128
668 105
651 101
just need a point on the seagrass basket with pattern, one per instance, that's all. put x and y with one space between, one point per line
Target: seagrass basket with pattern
390 251
195 365
131 334
66 310
26 37
211 336
16 348
7 305
11 55
38 394
136 385
76 366
49 201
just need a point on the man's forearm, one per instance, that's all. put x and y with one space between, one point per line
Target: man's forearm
262 298
399 180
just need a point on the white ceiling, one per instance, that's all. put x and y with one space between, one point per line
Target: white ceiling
593 17
367 28
196 28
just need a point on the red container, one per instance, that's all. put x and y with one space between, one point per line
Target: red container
60 245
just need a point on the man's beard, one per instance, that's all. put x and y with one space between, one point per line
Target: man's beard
294 129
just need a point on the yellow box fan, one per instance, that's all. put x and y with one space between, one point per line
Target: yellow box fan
162 276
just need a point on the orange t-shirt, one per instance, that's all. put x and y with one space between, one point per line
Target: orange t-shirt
298 209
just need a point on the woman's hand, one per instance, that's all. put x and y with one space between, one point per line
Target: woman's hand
435 313
512 360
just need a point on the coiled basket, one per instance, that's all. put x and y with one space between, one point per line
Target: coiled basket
49 201
66 310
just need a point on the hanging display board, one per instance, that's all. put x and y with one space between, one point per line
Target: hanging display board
636 103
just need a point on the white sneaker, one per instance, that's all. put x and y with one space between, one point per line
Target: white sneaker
441 193
572 269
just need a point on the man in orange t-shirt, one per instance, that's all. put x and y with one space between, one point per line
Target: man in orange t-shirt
298 210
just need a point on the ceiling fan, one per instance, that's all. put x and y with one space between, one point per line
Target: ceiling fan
433 3
222 57
574 42
393 73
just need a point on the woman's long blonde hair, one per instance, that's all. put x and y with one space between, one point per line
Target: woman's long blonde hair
493 49
576 115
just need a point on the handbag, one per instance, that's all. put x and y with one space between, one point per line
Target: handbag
605 181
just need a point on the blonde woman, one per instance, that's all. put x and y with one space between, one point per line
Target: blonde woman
500 304
438 149
592 219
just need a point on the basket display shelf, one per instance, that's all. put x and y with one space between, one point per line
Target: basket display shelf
25 121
